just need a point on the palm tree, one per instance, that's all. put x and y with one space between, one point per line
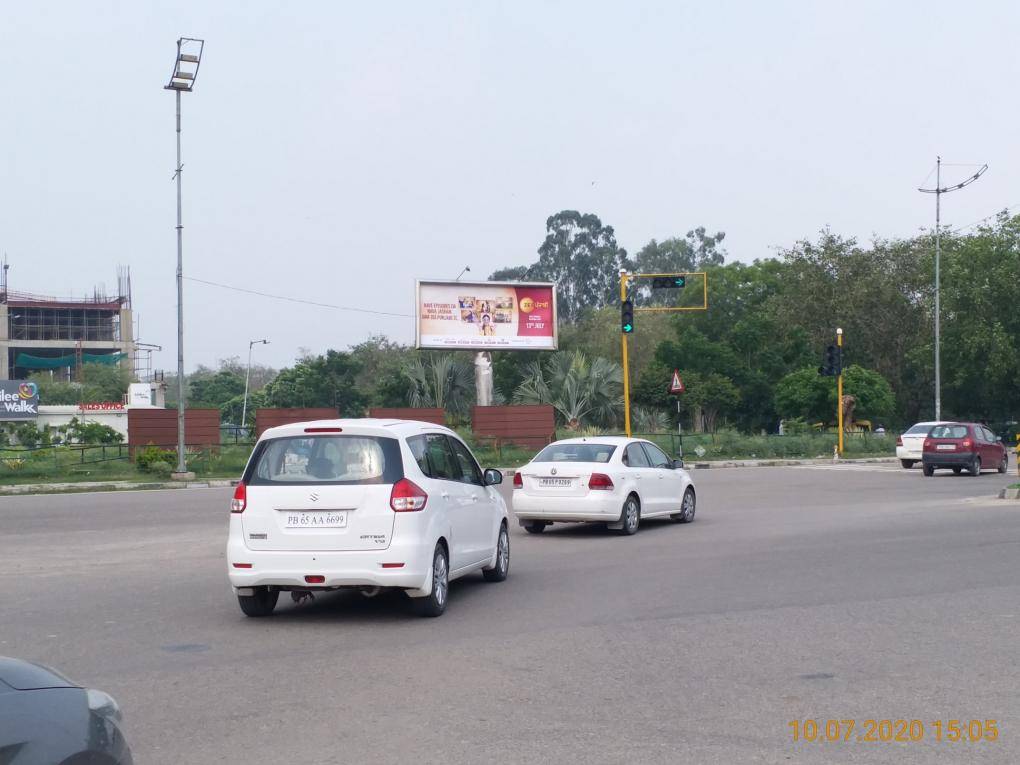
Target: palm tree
583 392
440 380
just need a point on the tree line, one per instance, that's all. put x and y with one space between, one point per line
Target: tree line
749 361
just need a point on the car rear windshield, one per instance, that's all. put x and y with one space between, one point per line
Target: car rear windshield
918 430
339 460
575 453
949 431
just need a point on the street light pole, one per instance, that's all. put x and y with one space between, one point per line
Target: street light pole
938 191
189 56
247 377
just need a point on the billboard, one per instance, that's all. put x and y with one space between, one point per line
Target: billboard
486 316
19 400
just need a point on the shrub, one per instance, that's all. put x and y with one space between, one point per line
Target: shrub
160 468
151 455
93 433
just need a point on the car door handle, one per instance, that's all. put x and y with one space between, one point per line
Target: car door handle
444 495
474 497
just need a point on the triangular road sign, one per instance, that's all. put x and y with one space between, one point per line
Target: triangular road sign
676 386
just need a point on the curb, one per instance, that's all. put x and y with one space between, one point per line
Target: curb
788 463
1009 494
83 486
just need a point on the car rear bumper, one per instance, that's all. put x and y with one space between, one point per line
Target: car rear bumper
597 508
909 452
339 569
949 459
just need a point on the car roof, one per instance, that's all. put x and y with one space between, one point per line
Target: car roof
360 426
608 440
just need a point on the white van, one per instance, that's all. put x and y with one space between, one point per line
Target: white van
363 504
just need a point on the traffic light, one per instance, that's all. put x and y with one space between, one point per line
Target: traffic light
832 362
627 317
669 282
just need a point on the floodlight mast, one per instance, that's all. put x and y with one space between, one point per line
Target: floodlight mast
938 191
189 58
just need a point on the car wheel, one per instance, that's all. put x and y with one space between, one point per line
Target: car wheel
907 463
687 507
499 572
928 470
1004 464
434 603
630 516
535 527
975 466
957 470
261 603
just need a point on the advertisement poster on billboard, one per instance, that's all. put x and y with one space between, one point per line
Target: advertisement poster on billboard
19 400
486 316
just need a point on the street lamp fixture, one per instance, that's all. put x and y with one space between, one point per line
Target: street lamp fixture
189 57
247 378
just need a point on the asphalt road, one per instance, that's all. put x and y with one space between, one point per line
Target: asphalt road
806 592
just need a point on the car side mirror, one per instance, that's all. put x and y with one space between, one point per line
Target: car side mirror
678 464
999 439
492 477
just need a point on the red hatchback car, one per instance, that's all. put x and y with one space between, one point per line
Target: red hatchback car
963 445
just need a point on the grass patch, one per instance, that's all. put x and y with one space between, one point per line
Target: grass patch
63 464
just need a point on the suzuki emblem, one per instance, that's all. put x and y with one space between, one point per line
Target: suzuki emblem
314 497
553 471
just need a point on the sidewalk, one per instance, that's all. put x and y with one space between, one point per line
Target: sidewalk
72 487
224 483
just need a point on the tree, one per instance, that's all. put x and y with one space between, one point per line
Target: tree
442 380
319 381
381 364
805 394
215 390
99 382
583 391
695 252
581 255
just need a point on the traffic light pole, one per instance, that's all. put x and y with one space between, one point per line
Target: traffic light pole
626 366
839 390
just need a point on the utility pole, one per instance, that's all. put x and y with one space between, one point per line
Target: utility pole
938 191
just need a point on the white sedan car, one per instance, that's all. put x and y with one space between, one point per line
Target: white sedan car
363 504
910 445
611 480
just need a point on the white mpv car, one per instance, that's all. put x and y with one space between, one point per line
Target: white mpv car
364 504
612 480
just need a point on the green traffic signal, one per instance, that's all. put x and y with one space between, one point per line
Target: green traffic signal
627 317
669 282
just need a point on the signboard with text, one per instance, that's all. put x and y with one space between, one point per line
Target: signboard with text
486 316
19 400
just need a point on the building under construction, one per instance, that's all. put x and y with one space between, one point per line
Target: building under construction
59 335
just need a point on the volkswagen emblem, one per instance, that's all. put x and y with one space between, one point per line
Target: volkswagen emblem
553 471
314 497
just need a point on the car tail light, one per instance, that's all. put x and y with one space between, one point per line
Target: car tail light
927 445
966 444
407 497
240 500
314 578
324 430
899 440
518 481
600 481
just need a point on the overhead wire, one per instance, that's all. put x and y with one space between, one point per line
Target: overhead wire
299 300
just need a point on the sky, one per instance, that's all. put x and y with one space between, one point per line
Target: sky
336 151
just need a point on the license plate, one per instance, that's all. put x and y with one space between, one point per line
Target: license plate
946 447
554 482
315 519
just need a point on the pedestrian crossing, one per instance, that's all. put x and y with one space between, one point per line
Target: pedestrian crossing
861 467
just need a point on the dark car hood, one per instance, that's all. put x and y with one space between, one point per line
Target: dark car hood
26 676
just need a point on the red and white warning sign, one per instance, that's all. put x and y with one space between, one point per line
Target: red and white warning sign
676 385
